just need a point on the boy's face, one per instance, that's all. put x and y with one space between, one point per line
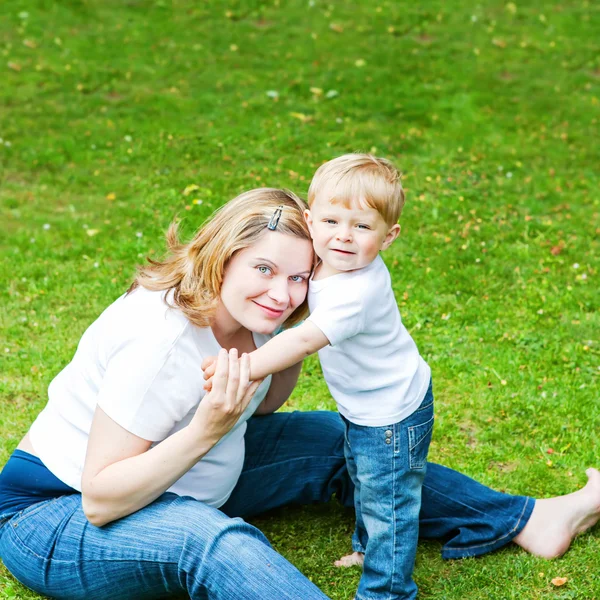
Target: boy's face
346 239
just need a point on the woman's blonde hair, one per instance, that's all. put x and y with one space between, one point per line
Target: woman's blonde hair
194 271
354 178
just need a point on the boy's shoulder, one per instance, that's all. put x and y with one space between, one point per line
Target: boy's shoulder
374 276
366 284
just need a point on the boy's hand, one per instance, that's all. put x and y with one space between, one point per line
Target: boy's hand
209 366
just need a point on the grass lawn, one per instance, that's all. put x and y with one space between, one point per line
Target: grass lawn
110 111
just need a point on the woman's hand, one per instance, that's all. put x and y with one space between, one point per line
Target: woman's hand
229 396
209 364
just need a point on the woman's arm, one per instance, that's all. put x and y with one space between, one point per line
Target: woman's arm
123 474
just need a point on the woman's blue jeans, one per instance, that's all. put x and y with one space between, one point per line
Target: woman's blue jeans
178 546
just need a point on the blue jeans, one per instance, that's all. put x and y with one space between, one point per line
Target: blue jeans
177 546
387 465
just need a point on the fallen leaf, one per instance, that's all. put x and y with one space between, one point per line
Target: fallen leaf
316 91
190 188
336 27
14 66
558 581
300 116
556 250
110 197
550 451
91 232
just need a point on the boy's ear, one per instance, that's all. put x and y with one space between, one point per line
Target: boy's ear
309 221
391 236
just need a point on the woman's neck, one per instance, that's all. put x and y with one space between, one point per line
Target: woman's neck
230 334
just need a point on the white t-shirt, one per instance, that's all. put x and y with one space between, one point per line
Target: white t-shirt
372 366
140 362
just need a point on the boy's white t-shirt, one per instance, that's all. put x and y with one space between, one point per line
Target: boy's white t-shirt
372 366
140 362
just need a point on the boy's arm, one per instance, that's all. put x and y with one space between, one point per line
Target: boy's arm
286 349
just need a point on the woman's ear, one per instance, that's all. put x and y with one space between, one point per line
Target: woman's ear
391 236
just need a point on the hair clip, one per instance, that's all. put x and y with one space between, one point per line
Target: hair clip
275 218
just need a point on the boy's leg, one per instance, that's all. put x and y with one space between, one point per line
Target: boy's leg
391 463
173 546
359 537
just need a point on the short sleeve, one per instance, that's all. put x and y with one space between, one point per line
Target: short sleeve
141 389
338 315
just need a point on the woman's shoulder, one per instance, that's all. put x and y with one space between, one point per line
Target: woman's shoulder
142 315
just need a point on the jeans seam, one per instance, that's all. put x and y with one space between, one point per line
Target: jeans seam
394 522
421 466
70 562
507 534
423 407
321 459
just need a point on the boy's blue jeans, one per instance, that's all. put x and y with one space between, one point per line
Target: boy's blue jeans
178 546
387 466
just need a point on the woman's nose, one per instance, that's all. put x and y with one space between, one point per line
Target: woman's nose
279 291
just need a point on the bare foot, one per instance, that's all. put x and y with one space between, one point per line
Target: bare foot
356 558
555 522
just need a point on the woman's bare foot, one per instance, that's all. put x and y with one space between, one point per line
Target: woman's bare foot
555 522
356 558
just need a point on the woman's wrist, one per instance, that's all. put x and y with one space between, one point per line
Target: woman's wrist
199 438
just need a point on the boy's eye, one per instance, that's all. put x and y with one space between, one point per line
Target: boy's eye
297 278
330 221
264 270
363 226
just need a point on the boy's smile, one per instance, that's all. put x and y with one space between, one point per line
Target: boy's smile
346 239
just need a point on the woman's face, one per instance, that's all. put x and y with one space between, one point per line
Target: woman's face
265 283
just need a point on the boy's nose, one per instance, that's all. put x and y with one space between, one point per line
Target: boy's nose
344 235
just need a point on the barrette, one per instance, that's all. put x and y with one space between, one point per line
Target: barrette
275 218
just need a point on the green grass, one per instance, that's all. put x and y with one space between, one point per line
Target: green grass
108 110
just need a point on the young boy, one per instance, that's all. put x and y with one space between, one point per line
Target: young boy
372 367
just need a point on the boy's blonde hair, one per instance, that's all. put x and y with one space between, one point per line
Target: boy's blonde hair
194 271
357 178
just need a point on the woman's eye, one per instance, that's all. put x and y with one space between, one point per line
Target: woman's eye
264 270
297 278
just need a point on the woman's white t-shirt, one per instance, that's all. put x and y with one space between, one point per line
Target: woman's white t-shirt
140 363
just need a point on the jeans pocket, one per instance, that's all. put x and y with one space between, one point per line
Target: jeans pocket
30 511
419 438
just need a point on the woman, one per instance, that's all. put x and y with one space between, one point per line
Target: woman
129 481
